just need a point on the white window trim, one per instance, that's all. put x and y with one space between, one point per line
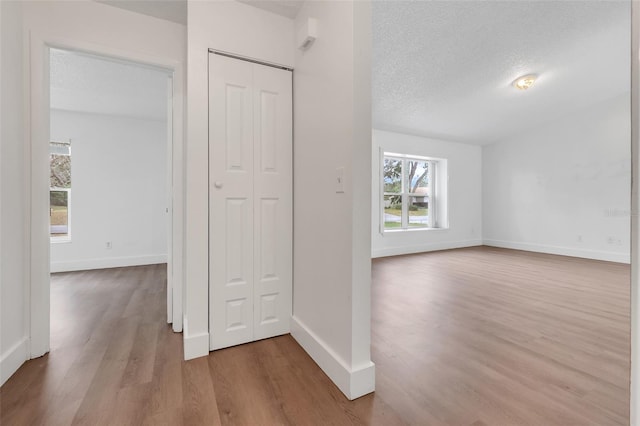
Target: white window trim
62 238
433 223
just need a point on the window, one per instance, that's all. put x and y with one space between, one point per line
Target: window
408 193
59 189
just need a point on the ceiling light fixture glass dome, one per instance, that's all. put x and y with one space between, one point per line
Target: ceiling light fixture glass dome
524 82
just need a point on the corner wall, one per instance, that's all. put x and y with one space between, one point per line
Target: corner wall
463 198
118 193
563 188
13 224
332 129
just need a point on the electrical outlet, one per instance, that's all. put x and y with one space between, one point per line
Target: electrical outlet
108 245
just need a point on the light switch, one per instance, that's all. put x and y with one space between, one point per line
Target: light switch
340 180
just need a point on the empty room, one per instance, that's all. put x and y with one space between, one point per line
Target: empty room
318 212
515 203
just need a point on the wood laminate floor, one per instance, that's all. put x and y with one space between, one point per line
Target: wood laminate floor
476 336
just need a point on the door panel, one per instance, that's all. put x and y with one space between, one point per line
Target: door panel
268 225
237 246
230 202
237 134
250 201
273 197
268 131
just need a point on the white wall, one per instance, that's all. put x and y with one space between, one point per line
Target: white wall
332 128
243 30
463 198
118 193
563 188
13 319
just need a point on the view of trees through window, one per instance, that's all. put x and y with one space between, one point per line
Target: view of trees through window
407 192
60 185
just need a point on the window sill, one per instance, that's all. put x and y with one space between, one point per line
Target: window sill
60 240
402 231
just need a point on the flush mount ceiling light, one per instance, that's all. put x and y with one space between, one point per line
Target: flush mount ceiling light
524 82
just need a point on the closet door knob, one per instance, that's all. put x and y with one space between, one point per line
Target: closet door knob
218 185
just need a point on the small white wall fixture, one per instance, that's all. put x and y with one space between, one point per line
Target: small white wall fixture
307 34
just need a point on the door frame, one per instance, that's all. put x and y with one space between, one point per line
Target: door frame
634 385
37 111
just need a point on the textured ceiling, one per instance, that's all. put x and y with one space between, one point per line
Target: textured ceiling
444 69
170 10
85 83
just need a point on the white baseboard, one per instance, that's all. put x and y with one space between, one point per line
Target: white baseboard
13 358
562 251
195 345
354 383
106 262
420 248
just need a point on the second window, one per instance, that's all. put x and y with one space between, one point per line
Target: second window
408 192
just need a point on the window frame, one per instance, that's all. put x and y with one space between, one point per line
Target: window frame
432 221
61 238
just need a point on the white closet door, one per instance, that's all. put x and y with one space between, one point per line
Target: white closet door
250 201
230 201
273 201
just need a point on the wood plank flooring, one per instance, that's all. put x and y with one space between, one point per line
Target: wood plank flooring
476 336
487 336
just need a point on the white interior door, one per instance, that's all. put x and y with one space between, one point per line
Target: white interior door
169 199
273 217
250 201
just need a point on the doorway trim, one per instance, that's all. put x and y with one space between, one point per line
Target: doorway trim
37 179
634 385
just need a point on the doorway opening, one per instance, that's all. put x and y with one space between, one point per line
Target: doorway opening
110 170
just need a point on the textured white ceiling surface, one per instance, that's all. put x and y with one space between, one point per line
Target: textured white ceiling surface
86 83
444 69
